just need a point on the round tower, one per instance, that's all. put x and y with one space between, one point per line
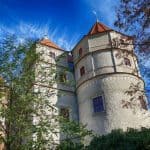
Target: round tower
108 83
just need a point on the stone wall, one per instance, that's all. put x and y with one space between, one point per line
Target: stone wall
47 82
113 89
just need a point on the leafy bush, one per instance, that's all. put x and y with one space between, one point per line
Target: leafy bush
119 140
132 139
70 145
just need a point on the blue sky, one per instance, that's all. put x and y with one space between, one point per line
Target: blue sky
63 21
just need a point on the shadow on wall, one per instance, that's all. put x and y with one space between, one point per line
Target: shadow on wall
66 97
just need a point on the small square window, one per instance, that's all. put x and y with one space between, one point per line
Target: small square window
51 54
98 105
62 77
127 62
82 71
64 112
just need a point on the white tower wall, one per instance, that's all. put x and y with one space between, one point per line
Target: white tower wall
59 94
107 74
112 88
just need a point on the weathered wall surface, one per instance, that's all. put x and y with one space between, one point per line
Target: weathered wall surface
112 88
108 75
3 103
82 44
58 94
99 41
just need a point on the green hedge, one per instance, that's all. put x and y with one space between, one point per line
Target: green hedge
119 140
70 145
116 140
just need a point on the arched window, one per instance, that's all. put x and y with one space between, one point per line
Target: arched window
82 71
80 52
127 62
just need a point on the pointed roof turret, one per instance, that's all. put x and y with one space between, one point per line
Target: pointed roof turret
98 28
45 41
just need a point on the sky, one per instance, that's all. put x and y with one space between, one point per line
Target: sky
65 22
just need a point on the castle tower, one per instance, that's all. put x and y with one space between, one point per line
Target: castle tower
53 72
107 77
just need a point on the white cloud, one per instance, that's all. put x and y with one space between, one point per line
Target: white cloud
37 31
105 10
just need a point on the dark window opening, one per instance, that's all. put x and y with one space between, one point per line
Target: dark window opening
143 102
51 54
82 71
71 66
64 112
80 52
70 58
98 105
62 77
127 62
70 63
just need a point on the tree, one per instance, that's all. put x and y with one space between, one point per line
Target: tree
136 99
28 119
134 17
15 63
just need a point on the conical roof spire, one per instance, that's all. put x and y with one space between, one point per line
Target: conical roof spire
98 28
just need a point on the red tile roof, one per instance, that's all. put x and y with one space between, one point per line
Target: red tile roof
98 28
47 42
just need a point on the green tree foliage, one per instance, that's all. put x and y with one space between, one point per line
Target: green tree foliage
16 123
119 140
74 134
70 145
133 16
24 121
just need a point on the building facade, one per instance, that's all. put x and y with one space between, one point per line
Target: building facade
99 81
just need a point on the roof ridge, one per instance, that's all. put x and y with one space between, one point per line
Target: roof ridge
102 25
98 27
49 43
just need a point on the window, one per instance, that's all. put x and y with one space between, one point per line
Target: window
64 112
82 71
98 105
51 54
80 52
71 66
143 102
127 62
70 63
62 77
